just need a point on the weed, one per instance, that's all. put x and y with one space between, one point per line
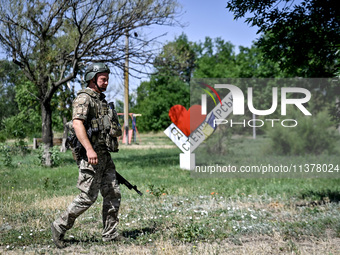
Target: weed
292 247
157 191
190 232
6 155
48 184
21 147
55 156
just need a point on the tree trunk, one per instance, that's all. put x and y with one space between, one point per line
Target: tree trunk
47 135
63 145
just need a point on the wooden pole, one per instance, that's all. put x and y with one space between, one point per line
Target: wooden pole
126 89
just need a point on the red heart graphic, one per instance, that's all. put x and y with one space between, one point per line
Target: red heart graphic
186 121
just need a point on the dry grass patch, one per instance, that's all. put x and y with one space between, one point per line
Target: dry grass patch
53 203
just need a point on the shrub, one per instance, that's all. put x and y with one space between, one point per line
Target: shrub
55 156
20 147
5 151
157 191
219 143
312 135
3 136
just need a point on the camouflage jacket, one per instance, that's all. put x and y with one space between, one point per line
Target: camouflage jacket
92 108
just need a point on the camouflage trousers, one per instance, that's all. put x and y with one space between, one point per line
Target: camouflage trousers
92 179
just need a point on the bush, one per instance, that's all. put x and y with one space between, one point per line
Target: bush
3 136
55 156
219 143
19 126
20 147
6 158
312 135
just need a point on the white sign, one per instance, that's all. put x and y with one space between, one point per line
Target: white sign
177 136
208 126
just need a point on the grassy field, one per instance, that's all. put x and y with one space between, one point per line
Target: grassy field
178 214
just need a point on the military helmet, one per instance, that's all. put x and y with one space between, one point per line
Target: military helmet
94 69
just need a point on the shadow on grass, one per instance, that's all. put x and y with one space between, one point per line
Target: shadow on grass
87 240
131 234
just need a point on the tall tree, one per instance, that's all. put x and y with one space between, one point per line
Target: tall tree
51 40
215 59
156 97
303 38
168 85
252 63
177 58
181 60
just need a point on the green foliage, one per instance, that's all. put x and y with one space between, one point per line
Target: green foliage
191 232
252 62
313 135
26 94
156 97
26 120
61 105
215 59
9 77
55 156
334 111
219 143
21 125
158 191
177 58
6 155
302 38
182 60
20 147
3 136
167 87
50 184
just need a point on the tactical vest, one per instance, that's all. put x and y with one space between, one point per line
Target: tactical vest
102 125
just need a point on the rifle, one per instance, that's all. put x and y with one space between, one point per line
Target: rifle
122 180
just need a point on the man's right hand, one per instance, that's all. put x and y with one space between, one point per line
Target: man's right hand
92 157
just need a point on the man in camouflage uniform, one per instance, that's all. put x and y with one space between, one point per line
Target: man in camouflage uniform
96 168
